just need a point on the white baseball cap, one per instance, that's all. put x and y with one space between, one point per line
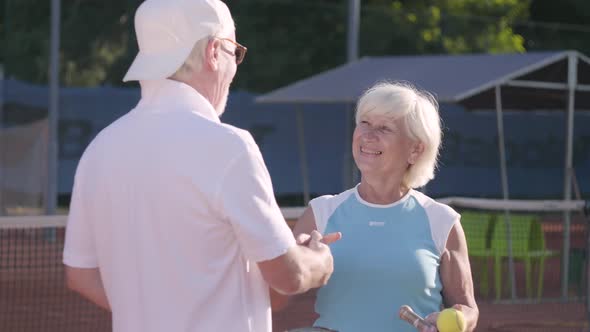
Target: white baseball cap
167 31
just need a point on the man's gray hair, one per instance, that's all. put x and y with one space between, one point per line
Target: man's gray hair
193 63
419 110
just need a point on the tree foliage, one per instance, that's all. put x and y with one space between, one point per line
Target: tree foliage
289 40
95 39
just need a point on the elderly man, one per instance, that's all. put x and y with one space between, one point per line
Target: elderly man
173 225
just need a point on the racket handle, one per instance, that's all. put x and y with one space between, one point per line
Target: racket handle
406 313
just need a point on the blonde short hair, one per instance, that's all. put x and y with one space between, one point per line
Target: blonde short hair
419 110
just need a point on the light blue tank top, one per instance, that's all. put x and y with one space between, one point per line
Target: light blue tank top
388 256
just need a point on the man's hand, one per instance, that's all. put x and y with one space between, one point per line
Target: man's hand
318 244
279 301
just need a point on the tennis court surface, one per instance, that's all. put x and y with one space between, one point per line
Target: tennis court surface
33 296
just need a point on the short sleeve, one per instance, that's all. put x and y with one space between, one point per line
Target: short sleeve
319 206
79 249
324 206
442 219
246 199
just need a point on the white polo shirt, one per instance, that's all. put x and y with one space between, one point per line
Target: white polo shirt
176 208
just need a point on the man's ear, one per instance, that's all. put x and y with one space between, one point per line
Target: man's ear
416 152
212 54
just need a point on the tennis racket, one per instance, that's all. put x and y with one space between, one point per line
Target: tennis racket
407 314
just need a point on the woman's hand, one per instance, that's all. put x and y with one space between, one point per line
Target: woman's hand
303 238
433 317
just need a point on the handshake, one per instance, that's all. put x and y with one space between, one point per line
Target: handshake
305 239
321 262
307 265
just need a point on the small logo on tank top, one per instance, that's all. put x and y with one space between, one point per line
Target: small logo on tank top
376 223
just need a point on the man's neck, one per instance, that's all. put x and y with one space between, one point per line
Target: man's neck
205 90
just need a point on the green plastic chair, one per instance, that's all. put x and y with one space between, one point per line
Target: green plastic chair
528 245
477 227
539 252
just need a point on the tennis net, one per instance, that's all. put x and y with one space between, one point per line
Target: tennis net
33 296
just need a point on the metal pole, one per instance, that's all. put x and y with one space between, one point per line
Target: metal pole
504 176
587 215
352 53
2 207
52 146
7 23
567 191
354 17
302 155
355 173
349 167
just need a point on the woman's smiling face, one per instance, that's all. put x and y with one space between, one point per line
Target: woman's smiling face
380 146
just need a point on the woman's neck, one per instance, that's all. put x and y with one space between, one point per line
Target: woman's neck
378 191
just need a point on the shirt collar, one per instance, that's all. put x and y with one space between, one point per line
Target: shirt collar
173 95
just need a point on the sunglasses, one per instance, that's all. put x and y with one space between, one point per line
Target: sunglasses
239 52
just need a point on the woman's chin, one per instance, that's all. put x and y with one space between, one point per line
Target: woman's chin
368 170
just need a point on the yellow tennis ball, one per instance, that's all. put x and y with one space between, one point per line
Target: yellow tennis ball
450 320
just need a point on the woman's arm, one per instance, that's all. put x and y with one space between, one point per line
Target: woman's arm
456 278
306 223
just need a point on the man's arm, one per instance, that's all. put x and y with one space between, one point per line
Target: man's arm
301 268
304 226
261 230
87 282
278 301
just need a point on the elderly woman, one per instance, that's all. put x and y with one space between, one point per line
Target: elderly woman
399 246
